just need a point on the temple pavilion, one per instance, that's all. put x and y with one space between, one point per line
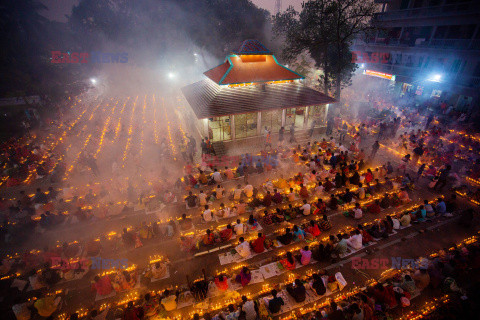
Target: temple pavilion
251 90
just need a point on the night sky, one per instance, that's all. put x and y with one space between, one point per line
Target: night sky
57 9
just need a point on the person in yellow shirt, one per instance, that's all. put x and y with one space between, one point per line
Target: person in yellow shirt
46 305
169 301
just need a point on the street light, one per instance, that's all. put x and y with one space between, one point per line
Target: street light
435 77
93 81
171 75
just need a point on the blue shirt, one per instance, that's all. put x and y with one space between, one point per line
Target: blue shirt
441 207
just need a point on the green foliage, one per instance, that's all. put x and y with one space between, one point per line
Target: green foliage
325 29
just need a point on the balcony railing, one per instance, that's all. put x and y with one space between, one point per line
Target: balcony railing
437 11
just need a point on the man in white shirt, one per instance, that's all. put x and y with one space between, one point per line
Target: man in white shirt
203 198
207 214
243 248
355 241
305 208
237 193
248 190
357 211
220 192
342 148
217 176
239 228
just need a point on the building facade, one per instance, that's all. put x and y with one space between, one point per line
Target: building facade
251 90
427 48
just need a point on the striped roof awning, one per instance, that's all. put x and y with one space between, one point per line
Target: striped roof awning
209 99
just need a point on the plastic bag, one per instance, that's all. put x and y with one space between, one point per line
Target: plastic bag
340 280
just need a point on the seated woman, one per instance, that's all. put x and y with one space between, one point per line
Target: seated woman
319 207
286 238
318 285
223 212
159 270
290 212
420 215
325 223
145 231
102 285
244 277
208 238
289 262
313 230
252 223
221 282
366 237
355 240
226 234
405 219
403 196
333 203
374 207
428 208
378 230
385 202
298 233
188 244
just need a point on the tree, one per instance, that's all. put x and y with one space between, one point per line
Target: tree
325 29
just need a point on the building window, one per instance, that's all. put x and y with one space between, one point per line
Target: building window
219 129
295 116
245 125
272 120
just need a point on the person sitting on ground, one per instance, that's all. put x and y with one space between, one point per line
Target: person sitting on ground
385 202
286 238
361 192
305 208
252 223
277 197
347 196
221 282
169 301
291 195
318 285
355 241
297 291
441 207
267 200
243 248
374 207
275 304
239 228
405 219
185 223
421 214
303 192
219 192
207 214
244 277
319 207
202 197
258 245
313 229
226 234
237 193
102 285
248 190
191 201
333 203
325 223
159 270
421 278
341 246
289 262
208 238
305 256
403 196
408 284
428 208
395 222
366 237
298 233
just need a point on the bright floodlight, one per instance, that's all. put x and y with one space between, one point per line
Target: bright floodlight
195 54
436 77
362 65
93 80
171 75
